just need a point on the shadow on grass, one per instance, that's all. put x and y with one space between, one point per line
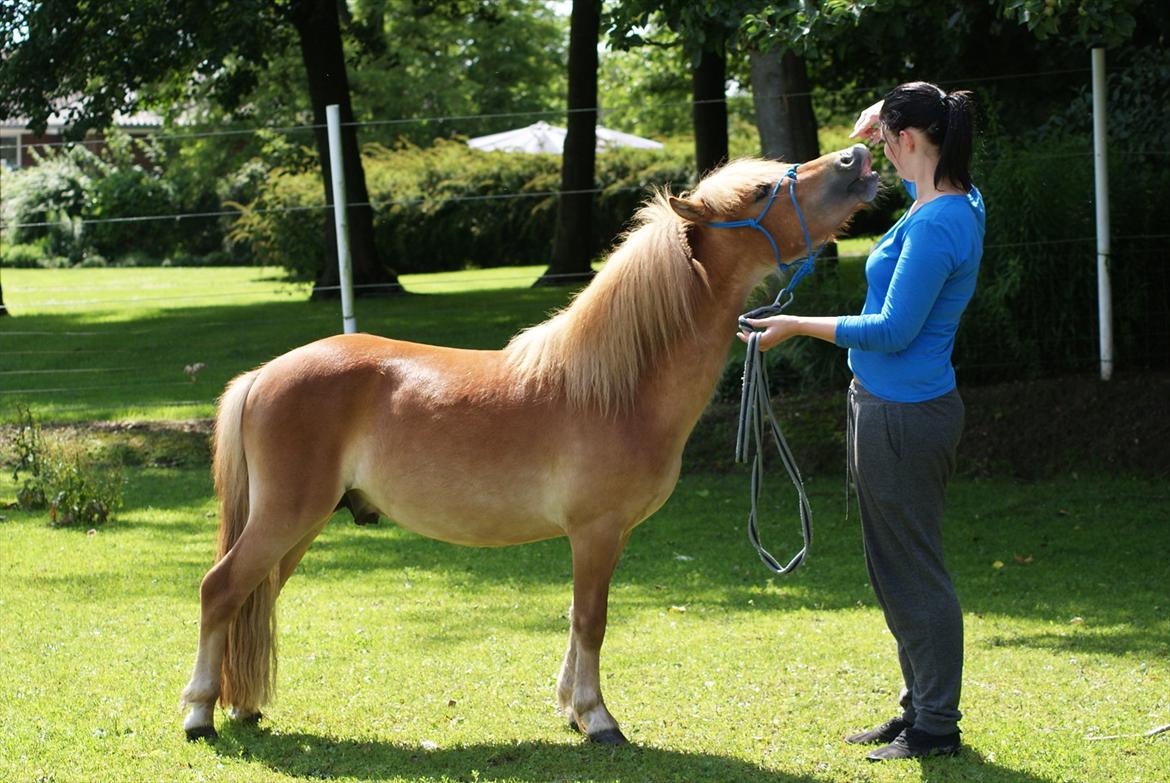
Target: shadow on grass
117 361
303 755
694 552
1154 641
695 546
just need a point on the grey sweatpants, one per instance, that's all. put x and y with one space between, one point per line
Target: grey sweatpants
901 456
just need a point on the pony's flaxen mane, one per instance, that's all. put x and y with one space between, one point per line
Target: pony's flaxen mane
596 349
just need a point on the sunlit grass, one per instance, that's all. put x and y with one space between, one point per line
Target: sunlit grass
88 344
405 659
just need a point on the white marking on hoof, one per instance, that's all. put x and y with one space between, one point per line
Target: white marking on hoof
243 715
200 716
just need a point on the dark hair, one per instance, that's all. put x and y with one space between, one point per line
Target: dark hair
945 118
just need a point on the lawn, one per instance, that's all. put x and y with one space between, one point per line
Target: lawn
111 344
88 344
407 659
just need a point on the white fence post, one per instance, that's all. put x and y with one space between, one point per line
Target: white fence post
340 218
1101 179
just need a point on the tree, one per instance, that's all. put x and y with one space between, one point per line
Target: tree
706 31
646 91
319 31
899 40
782 97
458 59
572 249
709 96
96 59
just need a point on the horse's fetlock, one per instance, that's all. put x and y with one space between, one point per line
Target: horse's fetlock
585 700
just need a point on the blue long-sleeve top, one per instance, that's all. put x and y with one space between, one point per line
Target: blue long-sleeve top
920 277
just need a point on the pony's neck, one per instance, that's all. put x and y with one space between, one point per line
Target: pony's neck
684 380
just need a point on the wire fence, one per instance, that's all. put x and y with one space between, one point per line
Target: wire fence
740 96
60 367
63 364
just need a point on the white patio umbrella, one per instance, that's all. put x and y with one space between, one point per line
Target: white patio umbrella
542 137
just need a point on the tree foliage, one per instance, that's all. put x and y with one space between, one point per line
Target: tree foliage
92 60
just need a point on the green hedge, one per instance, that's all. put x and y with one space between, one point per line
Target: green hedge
448 206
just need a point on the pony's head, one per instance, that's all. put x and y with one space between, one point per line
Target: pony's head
829 190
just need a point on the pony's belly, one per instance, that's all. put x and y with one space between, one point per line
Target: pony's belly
467 523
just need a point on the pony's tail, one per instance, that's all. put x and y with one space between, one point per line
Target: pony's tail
249 662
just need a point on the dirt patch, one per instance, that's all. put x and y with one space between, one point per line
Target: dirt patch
1025 429
1035 429
160 444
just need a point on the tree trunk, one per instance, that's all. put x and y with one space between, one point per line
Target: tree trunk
784 109
709 91
318 28
573 246
3 309
784 115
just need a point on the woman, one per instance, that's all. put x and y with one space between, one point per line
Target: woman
905 414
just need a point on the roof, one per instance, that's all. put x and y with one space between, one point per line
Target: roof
146 120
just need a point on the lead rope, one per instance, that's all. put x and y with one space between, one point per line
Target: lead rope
755 407
755 404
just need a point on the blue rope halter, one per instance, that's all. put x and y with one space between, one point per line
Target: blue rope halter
755 408
803 265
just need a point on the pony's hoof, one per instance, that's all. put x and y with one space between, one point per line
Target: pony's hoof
247 718
202 733
609 737
574 725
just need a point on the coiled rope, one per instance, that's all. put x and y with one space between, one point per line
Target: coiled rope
755 405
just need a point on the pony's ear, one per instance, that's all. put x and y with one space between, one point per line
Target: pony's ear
692 210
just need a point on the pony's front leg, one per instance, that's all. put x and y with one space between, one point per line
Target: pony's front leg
595 553
568 677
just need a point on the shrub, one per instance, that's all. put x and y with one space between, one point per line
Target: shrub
31 459
1035 311
72 487
284 225
82 495
442 207
132 192
28 255
48 201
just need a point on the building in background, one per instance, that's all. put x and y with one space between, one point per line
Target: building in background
17 141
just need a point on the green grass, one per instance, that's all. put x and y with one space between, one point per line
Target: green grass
716 671
389 641
113 344
87 344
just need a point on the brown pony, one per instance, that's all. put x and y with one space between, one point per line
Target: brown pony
576 428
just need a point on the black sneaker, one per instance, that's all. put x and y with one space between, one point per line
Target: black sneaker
879 734
913 744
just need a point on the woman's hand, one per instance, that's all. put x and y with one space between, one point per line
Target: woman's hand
774 330
866 128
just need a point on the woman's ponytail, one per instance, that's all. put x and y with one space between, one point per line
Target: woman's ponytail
954 162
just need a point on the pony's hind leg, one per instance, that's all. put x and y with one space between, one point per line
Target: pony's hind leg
236 636
596 549
231 582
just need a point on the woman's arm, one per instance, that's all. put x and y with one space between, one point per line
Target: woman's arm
929 255
779 328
